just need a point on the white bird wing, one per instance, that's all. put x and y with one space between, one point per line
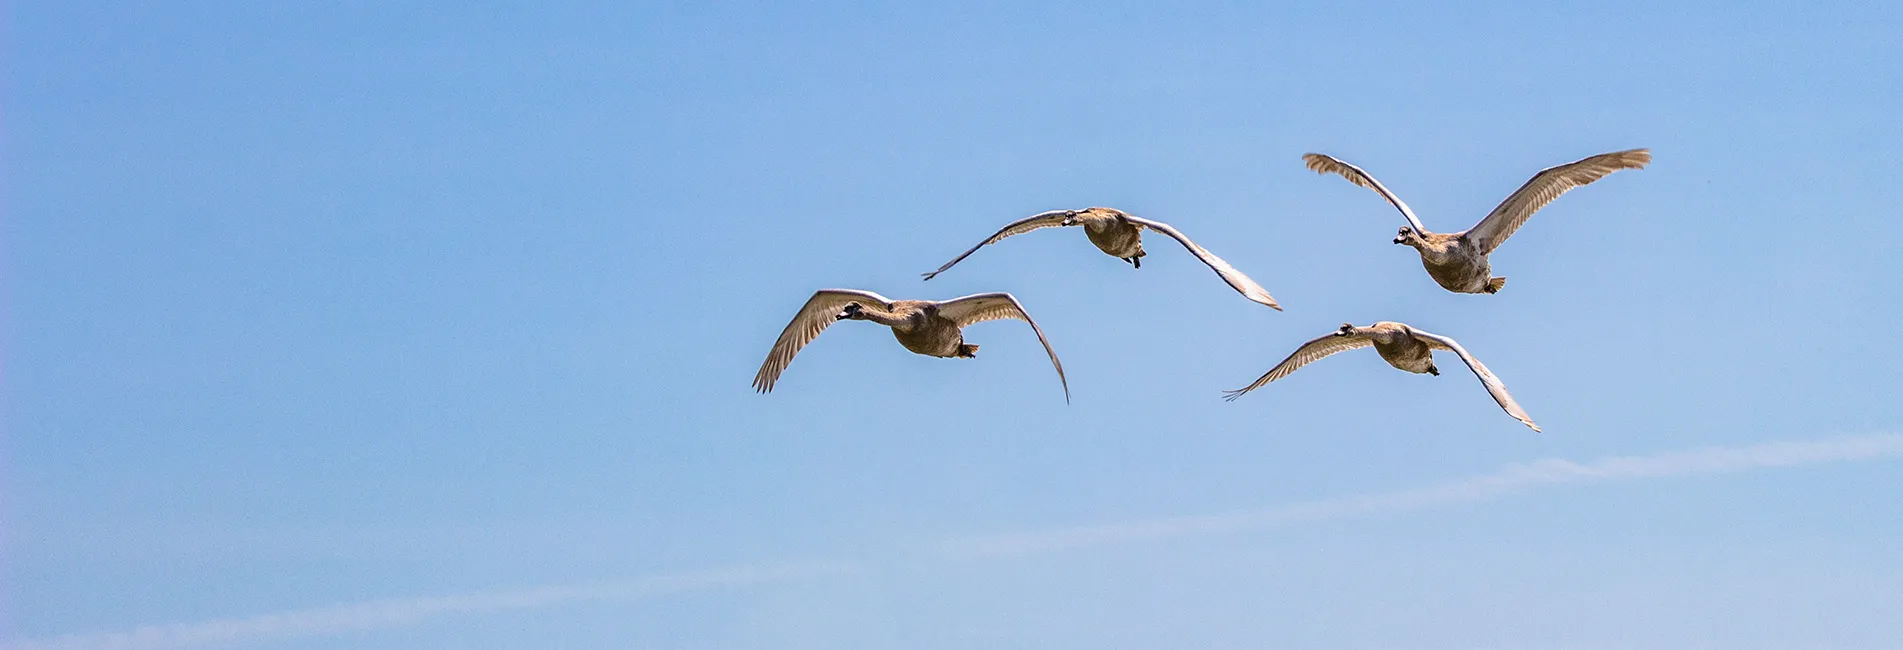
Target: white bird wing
1324 164
1494 387
1235 278
1308 353
1050 219
820 312
1545 186
981 307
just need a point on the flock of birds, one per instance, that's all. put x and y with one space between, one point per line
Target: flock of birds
1457 261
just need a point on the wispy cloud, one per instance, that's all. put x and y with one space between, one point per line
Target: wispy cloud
338 619
1514 479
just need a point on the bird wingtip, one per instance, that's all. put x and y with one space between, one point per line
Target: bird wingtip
1263 298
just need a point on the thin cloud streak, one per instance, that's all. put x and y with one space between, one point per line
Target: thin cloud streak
338 619
1514 479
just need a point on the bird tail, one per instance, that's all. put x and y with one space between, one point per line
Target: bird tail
1493 285
967 351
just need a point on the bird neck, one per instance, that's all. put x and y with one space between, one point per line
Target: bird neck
883 317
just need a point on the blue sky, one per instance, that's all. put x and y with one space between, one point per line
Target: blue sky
314 305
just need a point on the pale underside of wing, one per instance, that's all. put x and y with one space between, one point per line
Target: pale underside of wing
1308 353
1236 279
1050 219
1548 184
1325 164
978 308
1494 386
820 312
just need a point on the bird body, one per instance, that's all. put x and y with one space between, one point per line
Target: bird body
1401 346
1458 261
917 325
1117 237
1120 235
1454 262
929 327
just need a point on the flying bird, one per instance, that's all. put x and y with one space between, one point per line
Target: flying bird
931 328
1402 347
1458 261
1121 235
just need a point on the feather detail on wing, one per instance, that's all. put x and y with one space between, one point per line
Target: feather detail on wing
978 308
1545 186
1236 279
820 312
1050 219
1308 353
1494 386
1324 164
